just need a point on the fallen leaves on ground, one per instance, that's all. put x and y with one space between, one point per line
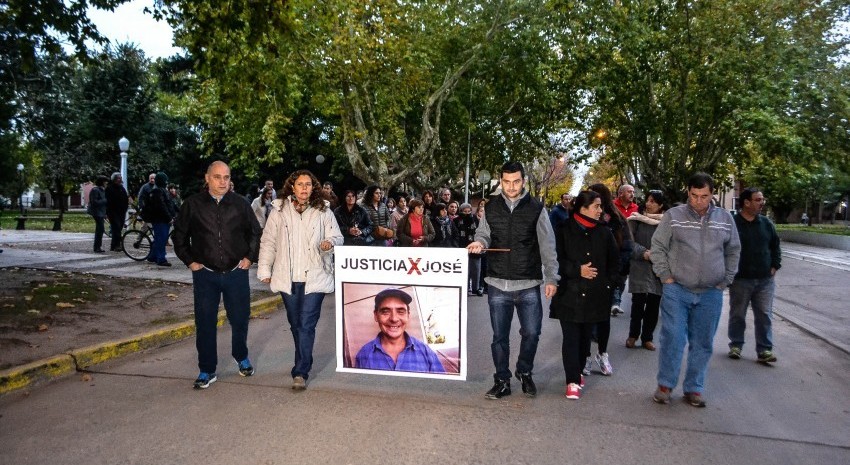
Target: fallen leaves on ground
65 305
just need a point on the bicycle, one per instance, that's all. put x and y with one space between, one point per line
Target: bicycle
136 243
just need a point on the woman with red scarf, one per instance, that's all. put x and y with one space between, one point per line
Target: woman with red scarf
415 228
588 261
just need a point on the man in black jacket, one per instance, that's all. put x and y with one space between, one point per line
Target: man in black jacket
218 237
117 203
517 226
761 257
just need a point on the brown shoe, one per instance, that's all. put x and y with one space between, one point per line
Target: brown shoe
630 342
648 345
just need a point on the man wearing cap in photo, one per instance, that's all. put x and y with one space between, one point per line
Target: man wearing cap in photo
394 349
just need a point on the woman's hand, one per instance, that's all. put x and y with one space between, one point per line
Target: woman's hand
325 245
588 271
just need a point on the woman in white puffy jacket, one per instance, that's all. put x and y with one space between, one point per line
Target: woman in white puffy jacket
295 258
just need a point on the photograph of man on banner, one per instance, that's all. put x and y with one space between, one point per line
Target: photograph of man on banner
401 328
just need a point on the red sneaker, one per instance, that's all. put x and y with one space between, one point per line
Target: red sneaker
573 391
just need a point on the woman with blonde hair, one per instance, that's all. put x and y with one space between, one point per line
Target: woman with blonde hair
295 259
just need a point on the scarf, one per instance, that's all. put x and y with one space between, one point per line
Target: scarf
445 225
586 221
649 218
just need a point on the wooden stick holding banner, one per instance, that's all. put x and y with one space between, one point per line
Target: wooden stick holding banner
495 250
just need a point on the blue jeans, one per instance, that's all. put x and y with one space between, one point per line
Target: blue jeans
692 318
209 287
302 311
160 238
529 310
759 292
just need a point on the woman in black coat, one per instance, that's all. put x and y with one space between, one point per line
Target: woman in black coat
588 262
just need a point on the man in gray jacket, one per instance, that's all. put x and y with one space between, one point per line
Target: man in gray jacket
695 253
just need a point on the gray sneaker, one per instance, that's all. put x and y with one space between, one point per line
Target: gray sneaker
661 396
299 383
734 353
766 356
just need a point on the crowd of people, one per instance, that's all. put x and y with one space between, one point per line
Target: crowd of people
677 261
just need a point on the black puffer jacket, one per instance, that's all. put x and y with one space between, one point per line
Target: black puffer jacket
581 300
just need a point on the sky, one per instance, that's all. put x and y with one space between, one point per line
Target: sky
128 23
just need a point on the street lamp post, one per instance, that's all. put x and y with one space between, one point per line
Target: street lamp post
124 146
483 178
21 175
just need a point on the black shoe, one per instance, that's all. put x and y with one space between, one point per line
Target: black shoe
164 264
479 293
501 389
528 386
99 251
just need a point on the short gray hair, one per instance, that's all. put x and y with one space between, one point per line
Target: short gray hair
114 176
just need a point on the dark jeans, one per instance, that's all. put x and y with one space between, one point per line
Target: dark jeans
98 232
757 293
644 316
209 288
303 311
482 274
576 344
529 310
116 225
160 238
474 272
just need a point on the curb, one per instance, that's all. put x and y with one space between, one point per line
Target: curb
57 366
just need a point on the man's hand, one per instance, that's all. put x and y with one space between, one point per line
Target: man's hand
325 245
244 264
550 290
475 247
195 266
588 271
266 280
646 255
773 271
669 281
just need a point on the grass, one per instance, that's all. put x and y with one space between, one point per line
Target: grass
37 299
834 229
74 221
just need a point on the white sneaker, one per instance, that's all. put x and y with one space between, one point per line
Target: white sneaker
616 310
604 364
587 365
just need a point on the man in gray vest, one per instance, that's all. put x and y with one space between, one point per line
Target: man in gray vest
522 257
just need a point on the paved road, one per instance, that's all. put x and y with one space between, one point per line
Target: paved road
142 410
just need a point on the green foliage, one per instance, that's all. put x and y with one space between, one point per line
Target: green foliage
397 86
681 87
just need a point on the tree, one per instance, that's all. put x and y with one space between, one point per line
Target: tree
27 30
682 86
398 85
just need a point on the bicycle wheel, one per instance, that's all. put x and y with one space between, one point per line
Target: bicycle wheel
136 244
